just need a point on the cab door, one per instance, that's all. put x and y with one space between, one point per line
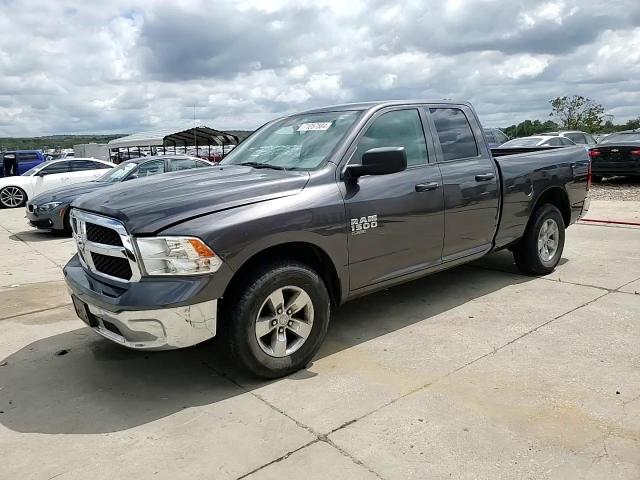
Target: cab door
26 161
395 221
470 179
52 176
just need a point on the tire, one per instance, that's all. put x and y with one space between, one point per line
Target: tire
265 356
66 223
12 197
596 178
529 256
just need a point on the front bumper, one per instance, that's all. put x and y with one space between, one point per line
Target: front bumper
51 219
155 314
164 329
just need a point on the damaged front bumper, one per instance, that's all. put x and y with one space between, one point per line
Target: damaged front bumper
155 314
164 329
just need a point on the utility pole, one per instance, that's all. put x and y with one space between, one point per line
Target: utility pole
195 138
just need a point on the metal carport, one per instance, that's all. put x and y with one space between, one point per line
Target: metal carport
199 137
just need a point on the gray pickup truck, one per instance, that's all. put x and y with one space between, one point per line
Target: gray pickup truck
310 211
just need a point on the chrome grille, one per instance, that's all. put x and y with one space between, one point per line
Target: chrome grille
106 236
112 266
104 246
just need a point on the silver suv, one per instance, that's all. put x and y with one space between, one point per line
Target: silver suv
576 136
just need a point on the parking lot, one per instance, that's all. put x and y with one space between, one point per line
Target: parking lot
477 372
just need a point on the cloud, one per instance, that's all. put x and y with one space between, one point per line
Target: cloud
124 66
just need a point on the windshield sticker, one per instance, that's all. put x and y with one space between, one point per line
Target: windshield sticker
316 127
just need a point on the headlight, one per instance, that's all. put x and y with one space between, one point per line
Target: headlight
177 256
45 207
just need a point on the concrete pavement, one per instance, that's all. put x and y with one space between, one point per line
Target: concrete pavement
477 372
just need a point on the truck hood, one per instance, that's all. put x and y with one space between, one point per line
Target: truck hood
151 204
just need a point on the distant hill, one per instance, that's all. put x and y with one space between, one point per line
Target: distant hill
52 141
68 141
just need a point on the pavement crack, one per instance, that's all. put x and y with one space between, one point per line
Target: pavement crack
277 460
31 312
319 437
599 287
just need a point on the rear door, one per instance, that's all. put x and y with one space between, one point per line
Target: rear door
470 179
395 221
86 170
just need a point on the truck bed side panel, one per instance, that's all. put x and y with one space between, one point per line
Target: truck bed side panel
527 176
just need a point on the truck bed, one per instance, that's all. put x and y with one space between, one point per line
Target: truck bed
527 175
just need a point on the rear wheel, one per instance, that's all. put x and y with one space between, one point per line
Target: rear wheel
276 321
540 249
12 197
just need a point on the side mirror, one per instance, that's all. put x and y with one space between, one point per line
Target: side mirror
379 161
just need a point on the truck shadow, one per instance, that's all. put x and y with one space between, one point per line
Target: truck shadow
76 382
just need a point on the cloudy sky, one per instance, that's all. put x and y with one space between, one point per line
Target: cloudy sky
126 66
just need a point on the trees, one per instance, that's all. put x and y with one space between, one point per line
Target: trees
577 113
530 127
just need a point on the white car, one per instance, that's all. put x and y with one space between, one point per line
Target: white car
15 191
538 141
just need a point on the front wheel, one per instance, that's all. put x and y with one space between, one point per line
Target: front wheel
540 249
275 323
12 197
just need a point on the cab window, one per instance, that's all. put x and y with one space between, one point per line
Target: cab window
399 128
152 167
454 132
177 164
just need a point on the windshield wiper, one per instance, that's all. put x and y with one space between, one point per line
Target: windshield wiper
262 165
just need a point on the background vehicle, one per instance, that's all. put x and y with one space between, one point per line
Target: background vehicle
617 154
495 137
576 136
20 161
49 210
310 211
539 141
15 191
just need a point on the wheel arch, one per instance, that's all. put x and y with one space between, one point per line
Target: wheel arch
558 197
305 252
25 190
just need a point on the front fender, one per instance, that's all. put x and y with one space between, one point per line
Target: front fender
315 216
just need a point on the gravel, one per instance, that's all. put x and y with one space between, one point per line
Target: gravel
616 188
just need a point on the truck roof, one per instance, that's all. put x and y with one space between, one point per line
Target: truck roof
379 104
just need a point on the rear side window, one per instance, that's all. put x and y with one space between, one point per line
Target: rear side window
566 141
81 165
454 132
577 138
501 137
399 128
554 142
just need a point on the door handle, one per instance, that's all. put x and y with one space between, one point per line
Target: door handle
425 187
485 177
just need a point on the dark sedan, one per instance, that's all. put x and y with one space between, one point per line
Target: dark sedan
617 154
50 210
